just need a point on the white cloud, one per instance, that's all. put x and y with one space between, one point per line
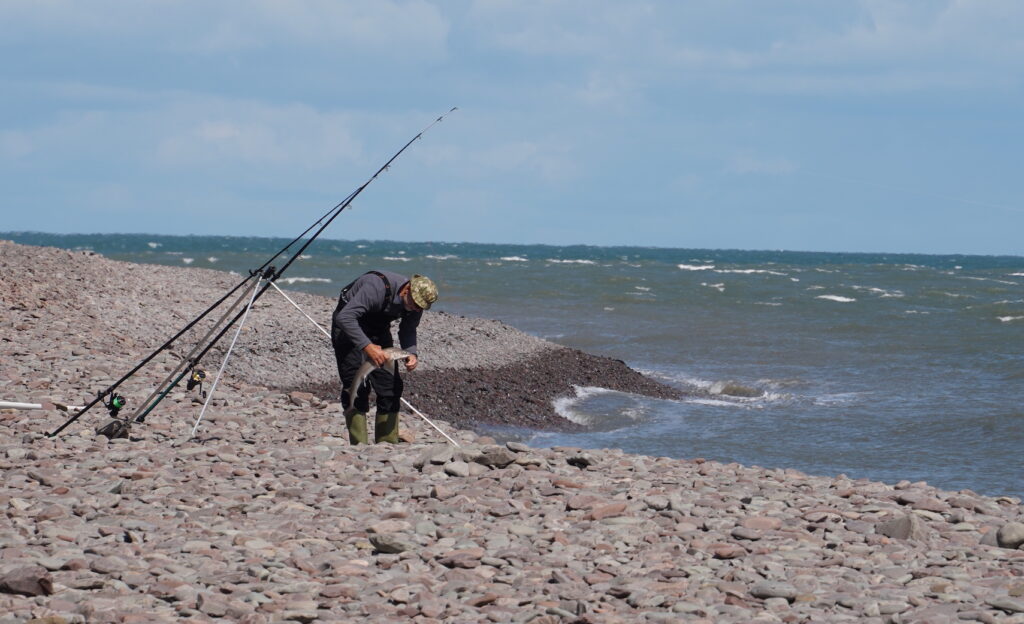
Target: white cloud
207 131
394 28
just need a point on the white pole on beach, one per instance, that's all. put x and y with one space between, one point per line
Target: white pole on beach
227 355
36 406
326 333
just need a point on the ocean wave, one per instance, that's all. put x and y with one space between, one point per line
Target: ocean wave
879 291
556 261
395 258
153 245
992 279
696 267
767 303
305 256
712 402
442 257
642 288
1009 319
841 398
188 260
303 280
718 287
1016 275
565 406
752 272
212 259
836 298
514 259
916 312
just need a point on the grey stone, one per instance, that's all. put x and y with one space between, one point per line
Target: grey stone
1011 535
392 543
496 456
457 469
773 589
27 581
1006 603
906 527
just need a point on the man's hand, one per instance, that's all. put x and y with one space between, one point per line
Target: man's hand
410 363
375 354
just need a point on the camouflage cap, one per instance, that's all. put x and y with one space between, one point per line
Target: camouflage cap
423 291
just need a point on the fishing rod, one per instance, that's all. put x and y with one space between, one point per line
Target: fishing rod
115 402
270 275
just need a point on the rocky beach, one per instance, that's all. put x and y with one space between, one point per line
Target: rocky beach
269 515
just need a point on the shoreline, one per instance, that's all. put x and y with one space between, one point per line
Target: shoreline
270 516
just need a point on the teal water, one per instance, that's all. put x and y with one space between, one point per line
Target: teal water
882 366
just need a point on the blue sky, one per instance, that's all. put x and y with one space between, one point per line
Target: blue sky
805 125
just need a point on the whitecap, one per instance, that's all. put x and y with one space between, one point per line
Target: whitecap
565 406
643 288
556 261
1008 319
607 309
361 246
989 279
188 260
714 402
305 257
1016 275
750 271
444 257
212 259
396 258
303 280
696 267
916 312
879 291
767 303
514 259
153 245
836 298
718 287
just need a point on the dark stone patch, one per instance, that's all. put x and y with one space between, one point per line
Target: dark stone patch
518 394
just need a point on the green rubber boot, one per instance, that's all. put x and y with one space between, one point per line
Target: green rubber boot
356 425
386 428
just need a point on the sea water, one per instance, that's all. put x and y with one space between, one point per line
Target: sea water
880 366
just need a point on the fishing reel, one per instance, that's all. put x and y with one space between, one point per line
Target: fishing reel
196 379
116 428
115 403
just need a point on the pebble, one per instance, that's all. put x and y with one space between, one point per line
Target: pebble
270 516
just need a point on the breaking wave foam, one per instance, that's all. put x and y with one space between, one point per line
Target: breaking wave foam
836 298
303 280
565 406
